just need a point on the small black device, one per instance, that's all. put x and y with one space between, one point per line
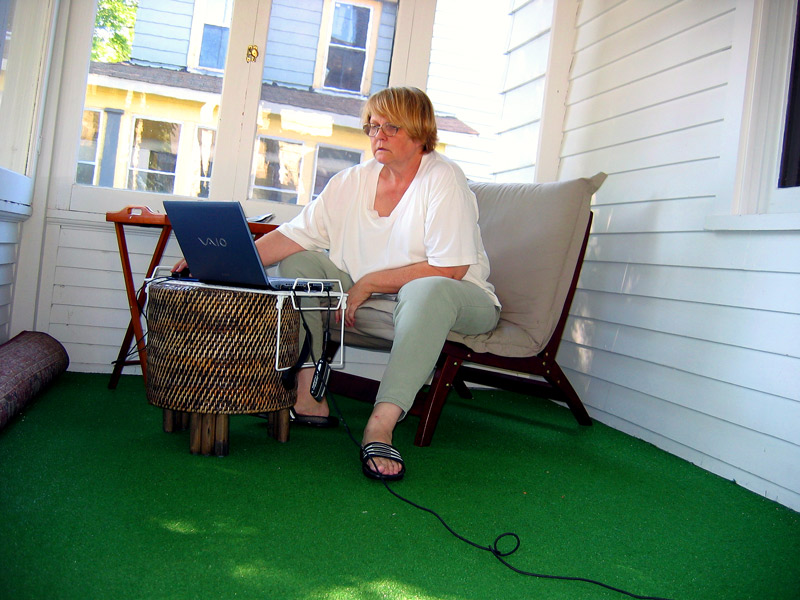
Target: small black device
319 384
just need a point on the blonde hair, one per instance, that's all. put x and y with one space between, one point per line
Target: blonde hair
406 107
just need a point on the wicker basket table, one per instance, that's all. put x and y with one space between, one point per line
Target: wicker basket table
212 353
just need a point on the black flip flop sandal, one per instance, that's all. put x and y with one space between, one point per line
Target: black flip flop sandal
380 450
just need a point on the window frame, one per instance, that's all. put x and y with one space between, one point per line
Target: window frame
323 48
199 21
748 194
239 105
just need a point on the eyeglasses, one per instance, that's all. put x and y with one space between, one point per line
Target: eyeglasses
388 129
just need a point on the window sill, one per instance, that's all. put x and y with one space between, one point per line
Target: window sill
763 222
16 192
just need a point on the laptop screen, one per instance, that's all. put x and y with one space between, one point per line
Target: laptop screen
216 242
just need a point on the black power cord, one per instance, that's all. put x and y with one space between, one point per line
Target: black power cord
493 549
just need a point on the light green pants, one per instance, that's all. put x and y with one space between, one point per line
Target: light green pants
427 310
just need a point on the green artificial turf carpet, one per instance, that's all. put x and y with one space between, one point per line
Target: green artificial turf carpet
97 502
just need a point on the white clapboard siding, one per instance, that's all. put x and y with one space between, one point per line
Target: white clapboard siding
687 79
527 61
516 148
616 16
762 463
89 306
680 114
526 99
752 409
730 325
711 37
661 182
741 407
112 318
731 287
696 143
592 10
768 372
9 240
523 174
616 38
674 214
531 20
750 251
685 337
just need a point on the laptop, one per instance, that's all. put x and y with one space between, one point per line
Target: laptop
218 247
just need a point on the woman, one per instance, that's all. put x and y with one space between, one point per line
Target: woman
402 223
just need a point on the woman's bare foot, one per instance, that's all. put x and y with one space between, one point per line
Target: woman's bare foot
379 428
306 403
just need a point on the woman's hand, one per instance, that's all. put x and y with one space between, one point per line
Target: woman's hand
356 296
180 266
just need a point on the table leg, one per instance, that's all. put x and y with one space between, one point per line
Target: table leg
135 303
279 424
175 420
221 429
208 434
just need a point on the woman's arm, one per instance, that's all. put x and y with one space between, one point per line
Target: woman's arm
274 247
391 280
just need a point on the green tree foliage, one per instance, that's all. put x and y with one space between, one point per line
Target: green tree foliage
113 30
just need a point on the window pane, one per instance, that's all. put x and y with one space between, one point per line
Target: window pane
24 31
214 48
87 152
154 156
144 79
350 25
329 162
204 161
345 69
85 174
314 51
277 170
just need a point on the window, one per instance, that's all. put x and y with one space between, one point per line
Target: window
143 89
87 152
204 160
347 51
750 197
211 23
214 47
329 162
154 156
348 40
790 155
274 101
277 168
24 39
